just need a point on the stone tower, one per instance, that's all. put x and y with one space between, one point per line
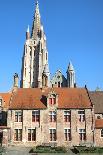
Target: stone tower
35 69
71 76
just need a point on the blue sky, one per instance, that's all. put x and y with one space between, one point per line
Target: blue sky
74 30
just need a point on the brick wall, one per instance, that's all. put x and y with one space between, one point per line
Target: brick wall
42 128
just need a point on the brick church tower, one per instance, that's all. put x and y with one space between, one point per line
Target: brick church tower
35 69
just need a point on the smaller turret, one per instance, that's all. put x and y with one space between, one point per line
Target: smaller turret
71 76
28 33
46 76
16 80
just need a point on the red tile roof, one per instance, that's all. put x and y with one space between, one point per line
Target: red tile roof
35 98
6 98
99 123
97 100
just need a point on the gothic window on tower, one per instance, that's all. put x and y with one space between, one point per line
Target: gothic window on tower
35 116
59 85
25 71
46 56
30 53
30 50
34 53
81 114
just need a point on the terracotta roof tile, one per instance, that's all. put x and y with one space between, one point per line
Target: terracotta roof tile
99 123
6 98
34 98
97 100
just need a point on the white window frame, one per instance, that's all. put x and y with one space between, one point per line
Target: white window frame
52 133
83 131
52 114
81 115
67 113
31 134
68 132
19 115
37 113
21 135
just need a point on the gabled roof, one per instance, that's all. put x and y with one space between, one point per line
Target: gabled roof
6 99
35 98
99 123
97 100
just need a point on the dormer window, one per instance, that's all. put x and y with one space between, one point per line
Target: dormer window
0 102
52 98
52 101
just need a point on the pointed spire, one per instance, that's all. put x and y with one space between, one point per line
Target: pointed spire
28 30
70 76
37 22
37 12
70 67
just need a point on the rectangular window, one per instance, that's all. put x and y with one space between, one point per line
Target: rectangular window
52 116
102 133
82 134
36 116
52 101
18 116
18 135
31 134
81 115
0 102
67 134
52 134
67 116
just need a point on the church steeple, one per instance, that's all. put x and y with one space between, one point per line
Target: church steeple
35 58
36 22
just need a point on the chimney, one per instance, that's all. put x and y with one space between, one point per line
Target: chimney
16 80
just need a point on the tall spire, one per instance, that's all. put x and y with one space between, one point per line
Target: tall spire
37 7
70 67
35 69
37 22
